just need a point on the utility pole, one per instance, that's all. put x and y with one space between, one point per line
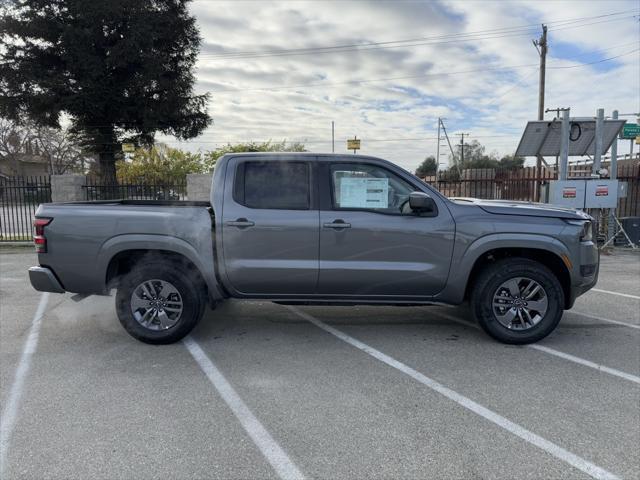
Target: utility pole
613 174
438 151
462 145
541 46
453 154
557 110
333 137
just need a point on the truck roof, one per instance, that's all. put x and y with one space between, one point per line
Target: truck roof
279 155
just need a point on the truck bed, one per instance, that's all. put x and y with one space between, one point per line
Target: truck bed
157 203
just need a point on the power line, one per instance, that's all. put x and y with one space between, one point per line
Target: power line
408 77
311 141
430 40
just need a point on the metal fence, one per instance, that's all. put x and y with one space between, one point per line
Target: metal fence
19 200
527 184
139 188
629 206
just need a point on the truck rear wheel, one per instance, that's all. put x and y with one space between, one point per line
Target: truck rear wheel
517 300
159 303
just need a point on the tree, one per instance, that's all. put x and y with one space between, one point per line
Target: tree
475 156
212 156
59 147
159 164
15 140
119 70
62 150
427 167
512 161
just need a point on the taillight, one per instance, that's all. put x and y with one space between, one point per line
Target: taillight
38 238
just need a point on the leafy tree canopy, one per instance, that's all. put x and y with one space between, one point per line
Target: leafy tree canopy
158 164
211 157
476 156
427 167
161 163
121 70
512 161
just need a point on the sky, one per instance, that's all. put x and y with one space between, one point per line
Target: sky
384 71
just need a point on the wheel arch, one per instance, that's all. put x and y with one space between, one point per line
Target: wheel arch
549 259
119 255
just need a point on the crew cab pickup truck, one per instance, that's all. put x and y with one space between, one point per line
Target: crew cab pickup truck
318 229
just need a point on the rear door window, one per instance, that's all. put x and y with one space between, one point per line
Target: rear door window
273 185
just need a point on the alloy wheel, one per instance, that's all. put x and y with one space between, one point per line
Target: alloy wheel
156 304
520 303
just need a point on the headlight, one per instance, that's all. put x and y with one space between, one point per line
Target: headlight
586 233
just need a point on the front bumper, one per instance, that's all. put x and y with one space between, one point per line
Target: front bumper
586 274
43 280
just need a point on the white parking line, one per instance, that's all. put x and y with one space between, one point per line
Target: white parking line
615 293
601 319
586 363
528 436
557 353
10 412
275 455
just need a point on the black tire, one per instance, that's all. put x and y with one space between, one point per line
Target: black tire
493 276
185 282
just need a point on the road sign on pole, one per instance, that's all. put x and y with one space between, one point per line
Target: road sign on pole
128 147
353 144
630 131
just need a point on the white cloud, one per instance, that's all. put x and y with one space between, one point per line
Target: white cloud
487 102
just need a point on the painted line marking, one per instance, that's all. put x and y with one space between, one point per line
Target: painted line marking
615 293
517 430
557 353
10 412
587 363
601 319
275 455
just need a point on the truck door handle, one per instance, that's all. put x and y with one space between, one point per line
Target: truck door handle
337 224
240 223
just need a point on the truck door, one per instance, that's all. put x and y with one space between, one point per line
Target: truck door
270 225
371 243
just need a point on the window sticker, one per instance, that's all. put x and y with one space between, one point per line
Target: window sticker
364 192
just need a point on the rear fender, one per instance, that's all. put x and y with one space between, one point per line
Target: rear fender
202 260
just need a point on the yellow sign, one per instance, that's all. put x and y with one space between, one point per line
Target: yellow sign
128 147
353 144
638 140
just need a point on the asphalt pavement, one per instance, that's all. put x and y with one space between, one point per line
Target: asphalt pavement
266 391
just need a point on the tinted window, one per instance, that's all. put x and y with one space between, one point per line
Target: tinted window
369 187
274 185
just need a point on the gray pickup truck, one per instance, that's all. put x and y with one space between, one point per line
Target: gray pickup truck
318 229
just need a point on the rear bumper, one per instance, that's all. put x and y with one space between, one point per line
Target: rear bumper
43 280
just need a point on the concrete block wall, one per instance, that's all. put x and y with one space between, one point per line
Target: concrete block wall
68 188
199 187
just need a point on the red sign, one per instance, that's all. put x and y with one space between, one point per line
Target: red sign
569 192
602 190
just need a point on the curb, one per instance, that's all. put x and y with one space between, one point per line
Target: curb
12 245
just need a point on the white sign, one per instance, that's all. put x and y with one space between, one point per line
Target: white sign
359 192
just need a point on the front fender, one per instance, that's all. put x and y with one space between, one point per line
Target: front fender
463 262
203 259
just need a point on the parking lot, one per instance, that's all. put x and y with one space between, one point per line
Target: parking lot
266 391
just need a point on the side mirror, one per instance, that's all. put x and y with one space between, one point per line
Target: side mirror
421 202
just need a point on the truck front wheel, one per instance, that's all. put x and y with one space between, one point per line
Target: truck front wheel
159 303
517 300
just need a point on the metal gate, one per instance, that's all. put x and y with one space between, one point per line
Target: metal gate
19 200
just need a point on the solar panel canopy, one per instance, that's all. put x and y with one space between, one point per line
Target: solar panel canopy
542 137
